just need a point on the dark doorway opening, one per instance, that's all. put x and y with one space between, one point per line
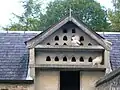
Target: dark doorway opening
69 80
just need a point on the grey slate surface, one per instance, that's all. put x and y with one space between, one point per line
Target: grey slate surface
14 54
115 51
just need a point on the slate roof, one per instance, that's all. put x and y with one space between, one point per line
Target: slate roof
114 38
107 78
14 54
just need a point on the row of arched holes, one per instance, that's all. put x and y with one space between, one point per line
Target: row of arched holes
65 39
65 59
66 44
65 30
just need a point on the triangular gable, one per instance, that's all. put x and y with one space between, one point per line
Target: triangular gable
40 37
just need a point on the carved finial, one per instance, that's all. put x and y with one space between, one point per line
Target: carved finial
70 11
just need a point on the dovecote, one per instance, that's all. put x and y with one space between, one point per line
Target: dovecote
68 45
56 47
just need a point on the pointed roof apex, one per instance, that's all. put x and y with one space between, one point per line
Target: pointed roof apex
40 37
70 12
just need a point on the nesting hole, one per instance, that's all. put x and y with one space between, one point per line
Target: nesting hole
73 30
90 59
48 43
81 59
48 58
81 38
81 44
64 44
64 30
73 59
56 38
56 58
56 44
89 44
65 38
65 59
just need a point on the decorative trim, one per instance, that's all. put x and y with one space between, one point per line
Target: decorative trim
66 66
73 48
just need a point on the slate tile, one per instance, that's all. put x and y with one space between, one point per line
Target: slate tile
13 55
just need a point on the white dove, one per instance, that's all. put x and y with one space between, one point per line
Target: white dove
97 60
75 40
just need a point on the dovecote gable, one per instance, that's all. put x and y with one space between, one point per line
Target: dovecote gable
68 45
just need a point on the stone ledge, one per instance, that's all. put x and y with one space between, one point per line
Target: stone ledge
66 66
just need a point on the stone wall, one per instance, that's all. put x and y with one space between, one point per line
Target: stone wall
16 87
111 84
47 80
88 79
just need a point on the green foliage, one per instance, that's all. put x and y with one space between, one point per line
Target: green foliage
29 20
114 16
89 11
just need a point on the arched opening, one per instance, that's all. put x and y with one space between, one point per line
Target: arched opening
48 43
73 59
56 44
73 30
64 30
56 58
90 59
72 37
48 58
81 38
81 59
64 44
81 44
65 38
89 44
56 38
65 58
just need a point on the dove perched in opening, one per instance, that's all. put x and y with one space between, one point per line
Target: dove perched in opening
75 40
97 60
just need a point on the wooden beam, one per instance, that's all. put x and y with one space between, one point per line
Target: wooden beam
32 62
60 66
68 48
107 61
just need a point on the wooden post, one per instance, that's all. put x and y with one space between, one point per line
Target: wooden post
107 61
32 65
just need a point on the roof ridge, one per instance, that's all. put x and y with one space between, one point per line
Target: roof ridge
20 31
2 31
108 33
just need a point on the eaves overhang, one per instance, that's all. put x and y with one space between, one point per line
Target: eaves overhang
68 48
